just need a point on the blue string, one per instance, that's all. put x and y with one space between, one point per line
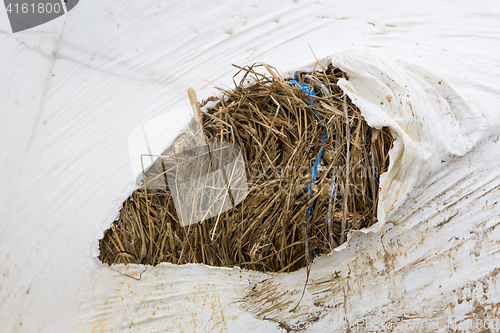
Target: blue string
309 90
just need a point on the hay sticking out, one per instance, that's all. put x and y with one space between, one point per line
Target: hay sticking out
280 132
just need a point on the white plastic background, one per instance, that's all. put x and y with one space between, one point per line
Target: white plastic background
72 91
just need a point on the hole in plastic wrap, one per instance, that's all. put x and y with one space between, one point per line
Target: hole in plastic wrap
288 168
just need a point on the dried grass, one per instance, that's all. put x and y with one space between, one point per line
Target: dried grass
280 137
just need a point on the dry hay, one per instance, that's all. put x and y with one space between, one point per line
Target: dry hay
280 137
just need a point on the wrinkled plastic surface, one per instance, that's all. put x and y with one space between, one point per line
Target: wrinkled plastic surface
74 89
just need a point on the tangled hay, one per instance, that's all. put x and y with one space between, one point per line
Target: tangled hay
281 132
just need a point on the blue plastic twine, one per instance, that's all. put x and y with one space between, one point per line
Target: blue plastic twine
309 91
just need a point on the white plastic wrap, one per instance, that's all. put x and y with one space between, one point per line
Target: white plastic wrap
74 90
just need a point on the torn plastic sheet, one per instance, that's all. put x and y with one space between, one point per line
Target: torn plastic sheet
434 153
77 87
429 120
